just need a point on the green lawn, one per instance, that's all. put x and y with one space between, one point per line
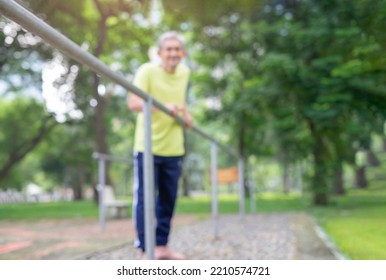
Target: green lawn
27 211
357 223
228 204
200 206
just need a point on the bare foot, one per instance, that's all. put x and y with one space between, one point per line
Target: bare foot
164 253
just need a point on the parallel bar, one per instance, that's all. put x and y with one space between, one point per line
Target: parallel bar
148 176
29 21
241 188
213 171
100 189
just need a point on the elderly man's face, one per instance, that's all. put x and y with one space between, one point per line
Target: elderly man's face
171 53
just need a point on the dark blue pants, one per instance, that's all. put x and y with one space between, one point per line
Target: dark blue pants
167 171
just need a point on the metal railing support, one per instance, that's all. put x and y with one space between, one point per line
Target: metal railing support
100 189
148 176
213 171
102 158
241 187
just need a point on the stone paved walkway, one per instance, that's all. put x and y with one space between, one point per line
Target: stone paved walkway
279 236
65 239
286 236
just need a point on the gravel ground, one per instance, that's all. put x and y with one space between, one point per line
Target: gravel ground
279 236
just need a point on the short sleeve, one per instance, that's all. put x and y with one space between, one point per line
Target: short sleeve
141 78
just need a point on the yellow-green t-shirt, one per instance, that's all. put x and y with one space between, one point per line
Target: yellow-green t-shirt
167 134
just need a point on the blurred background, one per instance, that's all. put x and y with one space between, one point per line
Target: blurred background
295 86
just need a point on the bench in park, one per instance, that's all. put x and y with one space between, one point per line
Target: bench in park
114 208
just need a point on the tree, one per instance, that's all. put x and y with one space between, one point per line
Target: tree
108 25
20 63
18 136
305 68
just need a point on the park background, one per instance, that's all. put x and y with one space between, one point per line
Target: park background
296 87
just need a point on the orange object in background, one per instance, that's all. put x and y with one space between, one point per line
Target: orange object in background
227 175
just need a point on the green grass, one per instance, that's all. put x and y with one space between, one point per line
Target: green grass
229 204
54 210
357 223
199 206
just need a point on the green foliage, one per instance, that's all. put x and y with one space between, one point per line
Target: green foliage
58 161
20 54
206 13
23 123
301 78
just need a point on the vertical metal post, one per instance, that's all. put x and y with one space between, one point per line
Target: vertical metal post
252 189
148 182
241 187
100 189
213 173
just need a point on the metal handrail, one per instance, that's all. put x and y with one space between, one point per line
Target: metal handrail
29 21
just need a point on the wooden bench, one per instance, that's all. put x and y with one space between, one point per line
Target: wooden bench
114 208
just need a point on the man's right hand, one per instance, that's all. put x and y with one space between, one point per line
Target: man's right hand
174 109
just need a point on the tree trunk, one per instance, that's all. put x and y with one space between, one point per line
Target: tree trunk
338 179
360 176
299 177
372 159
384 144
320 182
241 136
99 116
320 177
100 127
241 147
78 183
19 154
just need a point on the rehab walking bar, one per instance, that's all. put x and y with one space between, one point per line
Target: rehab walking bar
101 190
148 182
213 171
32 23
241 187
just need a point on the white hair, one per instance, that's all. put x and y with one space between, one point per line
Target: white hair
169 36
